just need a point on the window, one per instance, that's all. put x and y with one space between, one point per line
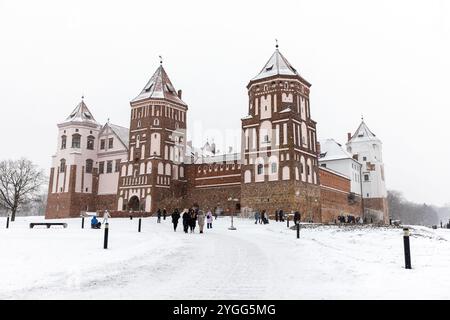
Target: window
307 170
139 124
111 143
117 165
324 165
62 165
156 122
102 144
90 142
364 158
76 141
89 165
63 142
109 166
273 167
260 169
101 167
366 177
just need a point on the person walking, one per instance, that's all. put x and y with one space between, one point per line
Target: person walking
192 220
263 217
281 213
257 216
186 219
276 215
209 219
201 220
106 216
158 214
164 214
175 218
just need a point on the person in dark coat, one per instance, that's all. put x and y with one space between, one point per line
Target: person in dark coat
281 214
164 214
158 214
175 218
263 216
296 217
276 215
186 219
193 220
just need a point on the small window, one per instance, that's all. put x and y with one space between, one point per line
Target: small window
63 142
76 141
117 168
62 165
109 166
364 158
324 165
111 143
260 169
90 143
156 122
101 167
308 170
274 167
89 165
139 124
366 177
102 144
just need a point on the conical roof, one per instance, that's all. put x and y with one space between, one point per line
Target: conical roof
81 113
363 134
277 65
159 87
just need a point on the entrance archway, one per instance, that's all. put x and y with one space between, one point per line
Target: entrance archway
133 204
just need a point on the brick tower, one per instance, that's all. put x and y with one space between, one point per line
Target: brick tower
279 157
154 174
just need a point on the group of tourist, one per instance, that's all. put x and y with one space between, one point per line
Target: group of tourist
190 218
263 216
349 219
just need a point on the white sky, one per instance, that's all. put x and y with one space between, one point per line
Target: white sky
387 60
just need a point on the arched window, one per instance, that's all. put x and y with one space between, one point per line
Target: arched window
76 140
63 141
90 142
62 165
247 176
89 165
139 123
286 173
156 122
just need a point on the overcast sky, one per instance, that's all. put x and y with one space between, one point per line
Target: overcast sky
387 60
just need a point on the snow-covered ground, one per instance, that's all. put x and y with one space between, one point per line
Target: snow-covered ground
253 262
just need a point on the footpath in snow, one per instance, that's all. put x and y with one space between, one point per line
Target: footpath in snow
252 262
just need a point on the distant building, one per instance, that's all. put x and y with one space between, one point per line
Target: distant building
366 148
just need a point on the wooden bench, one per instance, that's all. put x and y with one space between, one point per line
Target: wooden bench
48 224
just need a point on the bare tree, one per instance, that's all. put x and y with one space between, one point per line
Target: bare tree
20 182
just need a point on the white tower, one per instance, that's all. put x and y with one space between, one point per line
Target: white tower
367 149
73 178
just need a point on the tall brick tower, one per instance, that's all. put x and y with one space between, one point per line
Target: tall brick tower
154 174
279 157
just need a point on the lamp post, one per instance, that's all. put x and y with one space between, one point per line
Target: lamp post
232 214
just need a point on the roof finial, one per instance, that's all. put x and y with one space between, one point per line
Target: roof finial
82 97
108 120
276 43
160 60
362 117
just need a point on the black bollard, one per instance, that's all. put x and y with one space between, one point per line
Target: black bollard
287 221
82 222
407 248
7 221
139 225
298 230
105 242
131 217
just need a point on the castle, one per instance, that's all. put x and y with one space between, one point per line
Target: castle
281 165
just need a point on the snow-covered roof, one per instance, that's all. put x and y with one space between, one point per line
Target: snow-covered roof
159 87
331 150
122 133
363 134
277 65
81 113
208 154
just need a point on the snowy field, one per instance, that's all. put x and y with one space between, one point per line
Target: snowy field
253 262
